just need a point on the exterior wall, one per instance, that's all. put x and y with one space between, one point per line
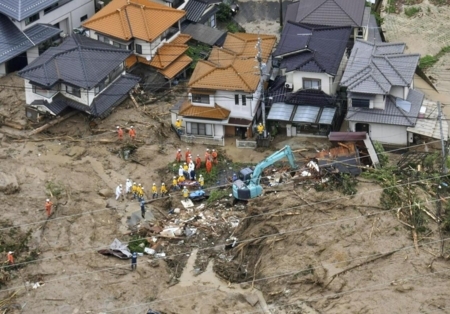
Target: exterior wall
225 99
146 48
379 102
32 54
399 91
30 96
72 12
385 133
84 95
2 69
297 80
338 77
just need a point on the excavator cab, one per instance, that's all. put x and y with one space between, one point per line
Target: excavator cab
245 175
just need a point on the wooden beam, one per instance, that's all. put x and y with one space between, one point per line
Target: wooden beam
52 123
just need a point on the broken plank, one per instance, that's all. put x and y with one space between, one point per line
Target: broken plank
134 101
52 123
13 125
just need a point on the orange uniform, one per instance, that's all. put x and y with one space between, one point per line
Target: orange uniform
207 155
214 156
208 165
48 208
132 133
188 159
186 155
178 156
198 162
120 133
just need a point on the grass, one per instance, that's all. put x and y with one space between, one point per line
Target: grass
135 242
218 194
410 12
428 61
391 6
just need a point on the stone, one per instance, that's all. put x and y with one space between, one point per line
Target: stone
105 192
8 183
252 299
245 285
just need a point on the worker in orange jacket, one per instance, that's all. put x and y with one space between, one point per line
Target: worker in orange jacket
214 156
48 207
207 155
10 258
198 162
132 133
187 153
178 156
189 159
119 132
208 165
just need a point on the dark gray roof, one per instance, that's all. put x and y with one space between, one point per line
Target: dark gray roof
195 9
21 9
373 68
311 97
79 61
111 97
312 48
13 42
205 34
328 12
391 114
277 90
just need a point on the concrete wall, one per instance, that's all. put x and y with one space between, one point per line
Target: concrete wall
386 134
340 72
68 15
32 54
2 69
379 102
399 91
296 78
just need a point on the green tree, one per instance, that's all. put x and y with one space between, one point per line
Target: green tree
224 14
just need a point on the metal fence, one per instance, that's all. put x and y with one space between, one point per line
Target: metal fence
192 139
245 144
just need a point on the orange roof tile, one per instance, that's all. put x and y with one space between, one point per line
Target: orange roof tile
187 109
176 67
234 66
181 39
127 19
166 54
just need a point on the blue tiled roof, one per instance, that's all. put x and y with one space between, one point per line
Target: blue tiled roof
21 9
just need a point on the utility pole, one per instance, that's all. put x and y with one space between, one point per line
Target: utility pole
444 150
261 84
444 171
281 13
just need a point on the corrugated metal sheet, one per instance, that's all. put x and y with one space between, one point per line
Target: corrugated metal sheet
306 114
281 112
327 116
347 136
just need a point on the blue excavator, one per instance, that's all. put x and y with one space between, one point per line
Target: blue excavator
247 186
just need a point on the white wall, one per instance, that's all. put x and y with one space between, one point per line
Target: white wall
385 133
85 98
297 80
2 69
379 102
340 72
71 11
32 54
225 99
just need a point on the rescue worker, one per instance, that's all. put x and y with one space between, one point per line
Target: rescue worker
198 162
186 170
192 171
128 186
132 133
118 191
260 129
143 209
181 179
185 193
208 166
175 184
139 192
201 180
154 191
178 125
214 156
134 190
133 261
187 153
48 207
180 171
163 190
10 257
178 156
189 159
119 132
207 155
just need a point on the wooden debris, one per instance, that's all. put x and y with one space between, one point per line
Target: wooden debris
52 123
134 101
13 125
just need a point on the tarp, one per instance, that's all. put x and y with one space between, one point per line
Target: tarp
116 245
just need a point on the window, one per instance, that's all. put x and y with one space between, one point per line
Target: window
360 103
212 21
100 37
138 49
116 44
73 91
83 18
236 99
200 98
51 8
47 93
32 19
106 39
244 100
199 129
311 84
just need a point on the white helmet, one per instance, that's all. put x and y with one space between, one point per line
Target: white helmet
162 183
154 183
47 200
179 150
187 148
174 177
117 127
131 127
120 185
10 252
201 176
198 155
139 184
128 180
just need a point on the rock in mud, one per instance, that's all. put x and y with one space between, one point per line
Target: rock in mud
8 183
105 193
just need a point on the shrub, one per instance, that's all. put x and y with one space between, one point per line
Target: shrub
410 12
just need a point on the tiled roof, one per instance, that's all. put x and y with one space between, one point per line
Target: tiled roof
13 42
373 68
127 19
167 54
312 48
181 39
232 67
329 12
216 113
195 9
79 61
176 67
21 9
391 114
205 34
312 97
428 123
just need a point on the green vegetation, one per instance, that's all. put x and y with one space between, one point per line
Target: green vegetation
428 61
234 28
391 6
54 189
440 2
224 14
411 11
135 244
197 52
218 194
382 156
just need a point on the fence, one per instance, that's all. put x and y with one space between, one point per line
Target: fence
192 139
245 144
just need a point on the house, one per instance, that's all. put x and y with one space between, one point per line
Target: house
332 13
204 34
82 74
382 100
310 60
28 27
202 12
150 30
225 90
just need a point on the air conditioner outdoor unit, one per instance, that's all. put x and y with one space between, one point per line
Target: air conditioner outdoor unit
288 86
100 4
